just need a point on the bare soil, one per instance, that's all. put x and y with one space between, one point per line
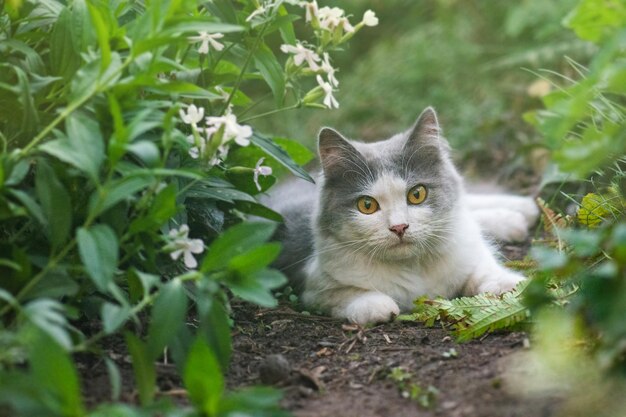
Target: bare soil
327 367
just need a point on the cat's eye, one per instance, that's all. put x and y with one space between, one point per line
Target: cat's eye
417 194
367 205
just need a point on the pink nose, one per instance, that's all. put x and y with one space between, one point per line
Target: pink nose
399 229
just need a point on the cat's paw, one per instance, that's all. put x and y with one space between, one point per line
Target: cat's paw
371 308
529 209
504 281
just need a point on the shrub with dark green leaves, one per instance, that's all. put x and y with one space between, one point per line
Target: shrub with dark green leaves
127 166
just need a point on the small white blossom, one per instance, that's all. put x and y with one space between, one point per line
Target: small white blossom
329 99
182 245
369 18
329 70
302 54
331 18
311 10
193 115
208 38
232 130
261 170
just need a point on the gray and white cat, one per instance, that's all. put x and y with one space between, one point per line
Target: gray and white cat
389 222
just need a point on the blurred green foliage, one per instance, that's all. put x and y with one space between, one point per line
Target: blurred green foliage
473 60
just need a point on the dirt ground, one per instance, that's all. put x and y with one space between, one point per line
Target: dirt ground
326 367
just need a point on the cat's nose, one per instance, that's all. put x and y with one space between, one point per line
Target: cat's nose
399 229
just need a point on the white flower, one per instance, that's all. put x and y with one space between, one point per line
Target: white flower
329 99
333 17
193 115
329 70
302 54
261 170
182 245
206 39
311 10
232 130
369 18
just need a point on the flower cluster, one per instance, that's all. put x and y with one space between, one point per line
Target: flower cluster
216 134
331 26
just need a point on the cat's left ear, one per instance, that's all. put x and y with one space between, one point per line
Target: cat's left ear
426 131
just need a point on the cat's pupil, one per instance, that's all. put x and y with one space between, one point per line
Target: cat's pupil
367 203
416 194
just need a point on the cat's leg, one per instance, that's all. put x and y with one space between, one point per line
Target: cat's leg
502 224
488 275
354 304
526 206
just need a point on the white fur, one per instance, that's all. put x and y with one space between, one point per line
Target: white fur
373 277
504 217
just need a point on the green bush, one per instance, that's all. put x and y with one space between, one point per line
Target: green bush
126 171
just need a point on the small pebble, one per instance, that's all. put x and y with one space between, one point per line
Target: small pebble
274 369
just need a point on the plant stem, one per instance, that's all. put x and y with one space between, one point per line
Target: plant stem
35 280
71 108
244 68
269 113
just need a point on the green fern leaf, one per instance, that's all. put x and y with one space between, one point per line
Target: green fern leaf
471 317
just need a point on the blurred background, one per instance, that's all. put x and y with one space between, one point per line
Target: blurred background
480 63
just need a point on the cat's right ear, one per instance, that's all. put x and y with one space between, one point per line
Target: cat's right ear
334 150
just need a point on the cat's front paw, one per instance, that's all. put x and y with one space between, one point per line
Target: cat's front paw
371 308
529 209
504 281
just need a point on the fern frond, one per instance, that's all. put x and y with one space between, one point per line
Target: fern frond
471 317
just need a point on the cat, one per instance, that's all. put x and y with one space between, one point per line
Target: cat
388 222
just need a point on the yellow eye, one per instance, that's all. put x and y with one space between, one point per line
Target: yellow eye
367 205
417 195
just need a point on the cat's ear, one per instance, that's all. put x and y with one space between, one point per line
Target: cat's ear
426 130
335 150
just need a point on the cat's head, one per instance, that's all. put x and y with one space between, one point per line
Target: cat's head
392 199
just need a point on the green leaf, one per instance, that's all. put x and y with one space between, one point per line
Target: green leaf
203 378
280 155
18 173
259 210
83 147
271 71
81 28
55 204
49 316
113 316
256 287
168 315
52 368
55 284
255 400
102 31
255 259
31 205
143 368
145 150
163 207
119 190
286 27
235 241
64 58
115 379
228 195
98 249
214 324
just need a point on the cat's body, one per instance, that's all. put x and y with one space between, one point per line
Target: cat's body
388 222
